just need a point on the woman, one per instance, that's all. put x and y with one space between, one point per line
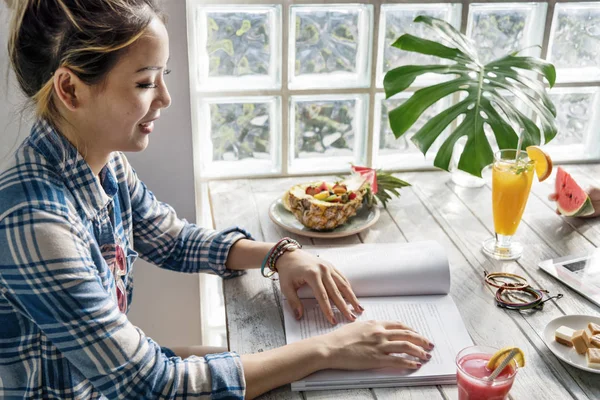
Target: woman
72 211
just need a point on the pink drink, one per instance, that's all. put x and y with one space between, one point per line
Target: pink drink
472 374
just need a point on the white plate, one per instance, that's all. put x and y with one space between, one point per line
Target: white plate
363 219
565 353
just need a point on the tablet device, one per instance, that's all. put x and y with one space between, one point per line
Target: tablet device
581 272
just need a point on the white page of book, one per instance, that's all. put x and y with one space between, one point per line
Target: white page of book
435 317
389 269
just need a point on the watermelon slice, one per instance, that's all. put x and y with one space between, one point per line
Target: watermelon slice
369 173
572 200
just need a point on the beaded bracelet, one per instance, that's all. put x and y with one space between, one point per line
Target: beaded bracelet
282 246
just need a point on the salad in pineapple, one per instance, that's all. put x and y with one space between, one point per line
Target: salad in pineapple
326 205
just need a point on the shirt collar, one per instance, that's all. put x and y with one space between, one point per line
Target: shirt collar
91 192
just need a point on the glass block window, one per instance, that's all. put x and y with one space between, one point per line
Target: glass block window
289 87
578 119
501 28
237 46
393 152
327 129
397 19
575 41
329 46
240 133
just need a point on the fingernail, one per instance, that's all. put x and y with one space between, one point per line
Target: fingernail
418 365
333 320
428 356
353 316
431 346
361 308
297 314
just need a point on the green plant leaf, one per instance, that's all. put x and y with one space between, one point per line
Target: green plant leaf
444 154
409 42
429 132
404 116
530 83
449 33
526 63
477 153
505 135
483 102
398 79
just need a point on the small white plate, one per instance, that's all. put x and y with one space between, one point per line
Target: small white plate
565 353
363 219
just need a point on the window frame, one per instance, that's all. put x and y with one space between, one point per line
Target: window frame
285 93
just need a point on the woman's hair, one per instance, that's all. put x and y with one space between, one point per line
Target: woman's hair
86 36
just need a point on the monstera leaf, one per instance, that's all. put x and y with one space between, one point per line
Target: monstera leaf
483 101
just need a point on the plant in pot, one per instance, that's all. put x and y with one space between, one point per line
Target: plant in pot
483 90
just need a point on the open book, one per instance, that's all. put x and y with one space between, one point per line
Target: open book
398 282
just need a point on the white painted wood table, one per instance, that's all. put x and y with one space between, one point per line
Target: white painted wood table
458 218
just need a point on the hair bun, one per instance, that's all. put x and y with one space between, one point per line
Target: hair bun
85 36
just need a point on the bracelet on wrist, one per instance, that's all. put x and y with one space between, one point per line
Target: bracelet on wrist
284 245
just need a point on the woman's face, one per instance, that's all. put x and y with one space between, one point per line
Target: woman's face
119 113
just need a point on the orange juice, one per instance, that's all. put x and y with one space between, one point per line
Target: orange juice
511 183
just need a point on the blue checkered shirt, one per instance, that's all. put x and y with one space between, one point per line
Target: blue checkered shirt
62 334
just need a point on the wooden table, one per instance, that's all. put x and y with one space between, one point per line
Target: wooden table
458 218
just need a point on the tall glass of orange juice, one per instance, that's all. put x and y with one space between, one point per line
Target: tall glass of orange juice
512 175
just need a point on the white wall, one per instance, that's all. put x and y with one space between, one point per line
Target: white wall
165 304
13 128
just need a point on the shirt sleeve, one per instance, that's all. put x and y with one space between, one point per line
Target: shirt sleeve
47 274
172 243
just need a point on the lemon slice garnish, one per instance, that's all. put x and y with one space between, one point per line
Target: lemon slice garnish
543 162
501 354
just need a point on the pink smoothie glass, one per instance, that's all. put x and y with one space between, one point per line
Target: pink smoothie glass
472 374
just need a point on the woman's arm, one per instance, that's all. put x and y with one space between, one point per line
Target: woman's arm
273 368
355 346
165 240
247 254
298 268
48 274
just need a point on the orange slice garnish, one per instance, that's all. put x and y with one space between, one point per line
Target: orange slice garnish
543 162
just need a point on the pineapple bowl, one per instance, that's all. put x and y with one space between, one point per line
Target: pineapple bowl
324 206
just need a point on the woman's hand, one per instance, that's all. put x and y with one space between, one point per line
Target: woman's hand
373 344
355 346
298 268
594 193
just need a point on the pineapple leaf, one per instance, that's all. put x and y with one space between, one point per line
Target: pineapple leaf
387 184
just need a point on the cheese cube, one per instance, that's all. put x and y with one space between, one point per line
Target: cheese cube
563 335
579 341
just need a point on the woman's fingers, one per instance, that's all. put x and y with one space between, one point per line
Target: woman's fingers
336 296
410 336
406 348
347 291
340 275
292 297
321 295
396 325
553 197
401 362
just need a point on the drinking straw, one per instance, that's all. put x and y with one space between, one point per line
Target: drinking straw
503 364
519 144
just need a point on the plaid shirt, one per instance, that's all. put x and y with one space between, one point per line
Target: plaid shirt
62 334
